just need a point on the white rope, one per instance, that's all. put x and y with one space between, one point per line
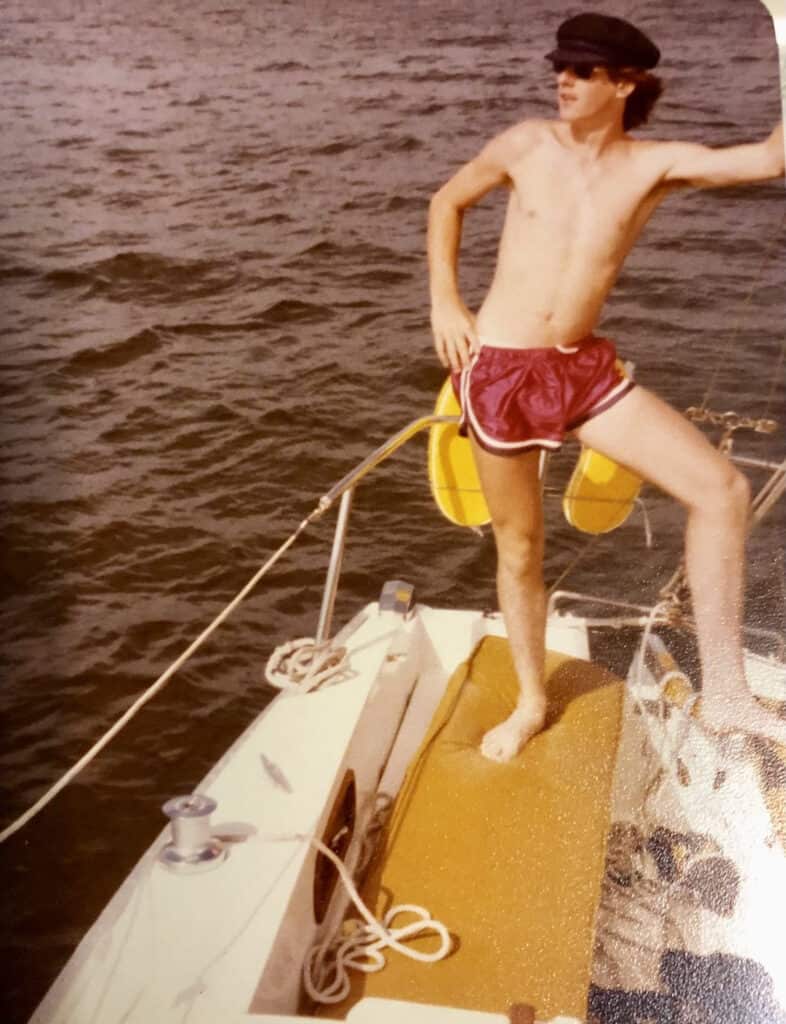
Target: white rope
658 611
647 525
325 970
770 493
303 665
162 680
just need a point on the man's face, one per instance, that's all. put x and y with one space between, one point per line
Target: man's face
585 92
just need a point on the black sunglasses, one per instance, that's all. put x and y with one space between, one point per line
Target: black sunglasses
581 70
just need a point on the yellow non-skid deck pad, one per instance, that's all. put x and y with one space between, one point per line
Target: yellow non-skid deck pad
509 856
600 493
451 467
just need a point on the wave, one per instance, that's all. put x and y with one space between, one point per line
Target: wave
334 148
139 276
481 41
355 255
16 271
124 155
294 310
283 65
74 141
118 353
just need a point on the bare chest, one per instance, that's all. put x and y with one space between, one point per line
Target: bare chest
603 199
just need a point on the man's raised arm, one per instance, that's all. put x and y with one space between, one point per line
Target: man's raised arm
706 167
452 323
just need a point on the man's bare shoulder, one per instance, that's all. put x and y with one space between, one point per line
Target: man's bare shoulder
655 151
520 137
652 158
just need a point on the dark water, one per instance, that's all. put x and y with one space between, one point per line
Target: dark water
213 298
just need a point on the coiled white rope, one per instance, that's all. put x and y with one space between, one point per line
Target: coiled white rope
326 967
303 665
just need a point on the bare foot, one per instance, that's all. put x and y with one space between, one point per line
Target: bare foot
741 712
504 741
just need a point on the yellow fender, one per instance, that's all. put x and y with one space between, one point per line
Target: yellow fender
600 493
451 467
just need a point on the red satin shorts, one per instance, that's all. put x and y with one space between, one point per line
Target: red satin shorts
514 399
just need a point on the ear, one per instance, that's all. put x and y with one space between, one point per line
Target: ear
624 89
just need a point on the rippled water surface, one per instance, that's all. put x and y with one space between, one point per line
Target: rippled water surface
214 302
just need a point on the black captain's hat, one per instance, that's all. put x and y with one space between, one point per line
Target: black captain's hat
607 40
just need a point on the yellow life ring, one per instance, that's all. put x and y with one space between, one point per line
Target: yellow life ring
451 467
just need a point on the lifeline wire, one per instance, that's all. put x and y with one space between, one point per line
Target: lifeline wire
164 678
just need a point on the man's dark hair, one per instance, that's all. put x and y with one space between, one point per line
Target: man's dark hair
639 104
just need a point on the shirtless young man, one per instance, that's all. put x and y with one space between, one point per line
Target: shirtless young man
581 190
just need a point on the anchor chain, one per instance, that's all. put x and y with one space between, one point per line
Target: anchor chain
730 422
673 597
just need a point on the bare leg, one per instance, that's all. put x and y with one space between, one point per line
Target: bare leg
512 491
649 437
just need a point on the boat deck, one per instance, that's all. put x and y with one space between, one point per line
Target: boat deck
509 856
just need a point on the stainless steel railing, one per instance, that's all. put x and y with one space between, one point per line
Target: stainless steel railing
345 489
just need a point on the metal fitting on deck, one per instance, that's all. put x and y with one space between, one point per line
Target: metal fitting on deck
193 848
